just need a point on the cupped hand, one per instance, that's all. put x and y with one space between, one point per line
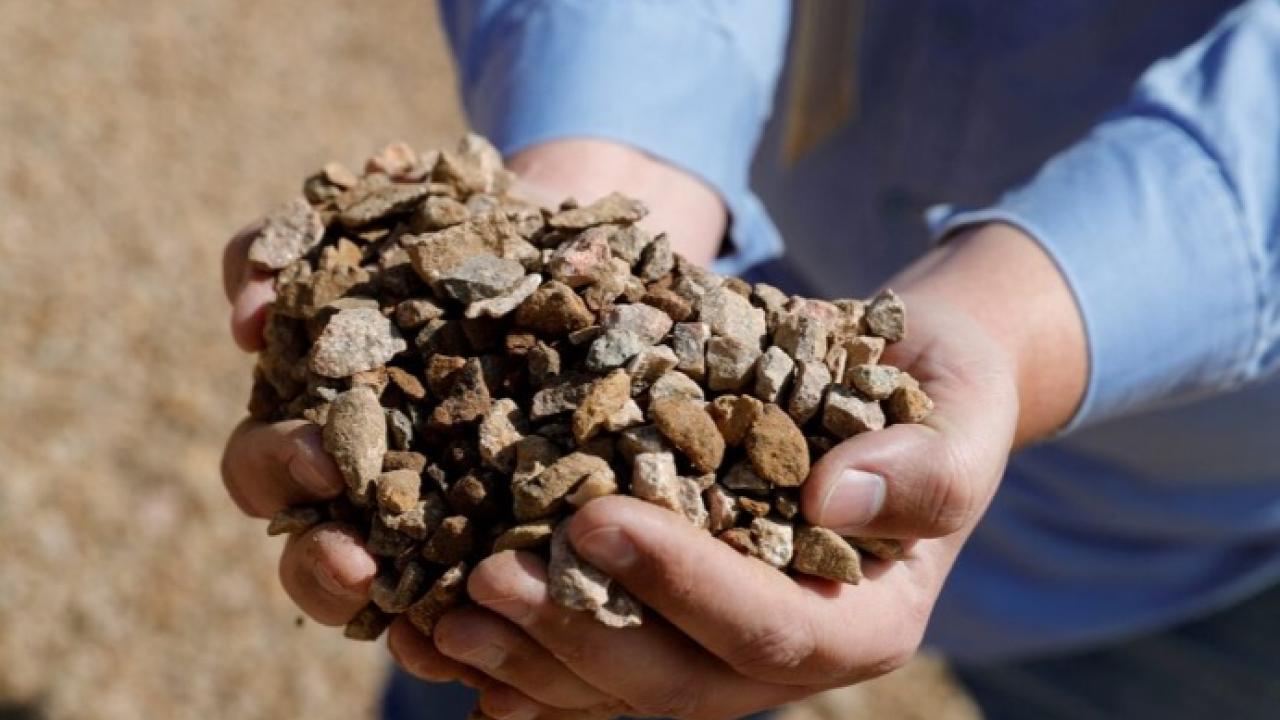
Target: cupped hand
726 634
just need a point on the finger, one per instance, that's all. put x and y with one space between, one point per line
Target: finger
235 258
913 481
266 467
418 655
249 310
490 643
759 621
327 571
503 702
652 668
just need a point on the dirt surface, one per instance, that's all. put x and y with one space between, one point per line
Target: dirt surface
134 136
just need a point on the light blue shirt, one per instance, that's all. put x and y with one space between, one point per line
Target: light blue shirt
1138 142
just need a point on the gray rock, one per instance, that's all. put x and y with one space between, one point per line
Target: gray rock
355 341
773 374
646 321
613 348
356 436
288 232
846 414
812 380
730 363
502 305
731 315
774 541
479 277
887 317
875 381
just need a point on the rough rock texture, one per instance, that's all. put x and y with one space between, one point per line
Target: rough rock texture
822 553
777 448
557 357
354 341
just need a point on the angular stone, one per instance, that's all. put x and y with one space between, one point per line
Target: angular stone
294 520
846 414
592 486
734 415
561 396
401 460
628 243
582 260
468 399
399 429
648 365
689 342
908 404
446 593
880 548
372 205
774 541
812 380
437 213
288 233
887 316
353 341
543 494
769 297
863 350
730 363
689 427
534 454
398 491
613 348
836 361
822 553
875 381
610 281
729 314
356 437
613 209
406 383
742 477
479 277
544 364
754 507
452 541
637 441
739 539
501 428
654 479
575 584
368 624
657 260
675 306
646 321
674 384
722 509
502 305
773 374
803 337
777 449
606 397
528 536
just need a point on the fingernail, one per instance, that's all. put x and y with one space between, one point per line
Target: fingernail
306 474
329 582
608 548
853 501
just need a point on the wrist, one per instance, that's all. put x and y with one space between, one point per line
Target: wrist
680 204
1001 278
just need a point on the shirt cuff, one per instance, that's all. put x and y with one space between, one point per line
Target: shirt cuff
1149 236
675 85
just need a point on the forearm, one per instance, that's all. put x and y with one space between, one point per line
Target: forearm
1001 278
687 209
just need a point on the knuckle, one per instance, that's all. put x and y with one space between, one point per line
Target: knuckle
779 647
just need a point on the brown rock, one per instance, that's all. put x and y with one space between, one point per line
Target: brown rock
398 490
407 383
368 624
676 307
356 437
606 397
528 536
690 428
730 363
689 343
822 553
544 493
294 520
908 404
452 542
500 430
881 548
613 208
722 509
777 448
444 595
554 309
734 415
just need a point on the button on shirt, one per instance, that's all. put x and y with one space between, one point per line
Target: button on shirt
1137 142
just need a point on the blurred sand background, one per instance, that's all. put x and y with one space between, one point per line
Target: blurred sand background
135 135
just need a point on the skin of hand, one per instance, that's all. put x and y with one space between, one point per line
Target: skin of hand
727 635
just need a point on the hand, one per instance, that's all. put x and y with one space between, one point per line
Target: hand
266 467
729 635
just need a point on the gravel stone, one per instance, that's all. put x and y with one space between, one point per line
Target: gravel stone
288 233
356 436
845 414
875 381
777 449
730 363
689 427
773 374
887 317
354 341
822 553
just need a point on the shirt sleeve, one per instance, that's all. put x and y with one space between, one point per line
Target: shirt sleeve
687 81
1165 222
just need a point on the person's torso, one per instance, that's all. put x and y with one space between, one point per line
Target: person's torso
1113 529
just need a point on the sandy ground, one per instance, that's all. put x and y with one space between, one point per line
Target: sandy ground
134 136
